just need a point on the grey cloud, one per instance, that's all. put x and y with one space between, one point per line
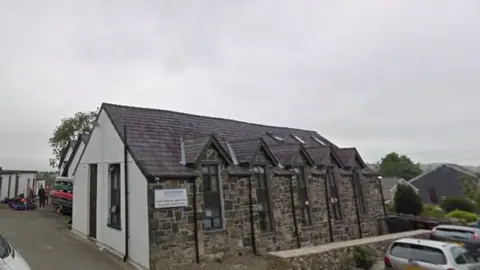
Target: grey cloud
380 75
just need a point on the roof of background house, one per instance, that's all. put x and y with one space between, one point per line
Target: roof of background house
17 171
76 144
389 182
71 144
456 167
154 137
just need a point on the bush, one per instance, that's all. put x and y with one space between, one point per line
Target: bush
462 215
450 204
407 201
432 210
363 258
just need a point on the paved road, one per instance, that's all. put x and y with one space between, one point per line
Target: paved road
45 242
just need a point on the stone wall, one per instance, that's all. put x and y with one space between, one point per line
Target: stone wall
172 230
337 256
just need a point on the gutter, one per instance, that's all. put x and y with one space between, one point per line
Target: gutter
379 179
125 164
294 214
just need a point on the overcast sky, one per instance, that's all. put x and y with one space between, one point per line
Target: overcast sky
379 75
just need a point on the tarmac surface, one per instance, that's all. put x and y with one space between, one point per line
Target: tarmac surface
43 239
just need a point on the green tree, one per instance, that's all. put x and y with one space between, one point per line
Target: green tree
68 129
407 201
395 165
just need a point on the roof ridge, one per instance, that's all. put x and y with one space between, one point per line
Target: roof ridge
210 117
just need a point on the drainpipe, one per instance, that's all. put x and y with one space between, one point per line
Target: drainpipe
252 222
379 179
327 200
125 164
294 214
357 211
195 225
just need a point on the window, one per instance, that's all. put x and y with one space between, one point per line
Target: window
275 137
461 256
357 185
418 253
332 192
263 205
303 196
318 140
298 139
115 195
212 198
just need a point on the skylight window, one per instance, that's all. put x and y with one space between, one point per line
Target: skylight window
318 140
275 137
298 139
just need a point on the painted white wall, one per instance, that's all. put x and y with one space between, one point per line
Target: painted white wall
39 184
25 181
105 147
4 190
76 159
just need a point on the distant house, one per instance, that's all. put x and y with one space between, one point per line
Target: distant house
443 181
15 182
73 152
390 184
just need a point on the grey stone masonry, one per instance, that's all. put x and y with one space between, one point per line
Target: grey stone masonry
172 236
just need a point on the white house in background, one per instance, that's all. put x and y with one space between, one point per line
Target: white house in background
14 182
101 170
390 184
73 154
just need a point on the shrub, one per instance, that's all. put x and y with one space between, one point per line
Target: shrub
407 201
363 258
462 215
450 204
432 210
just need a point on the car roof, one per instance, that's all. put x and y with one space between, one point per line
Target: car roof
456 227
425 242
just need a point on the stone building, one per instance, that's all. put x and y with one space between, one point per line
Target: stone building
177 188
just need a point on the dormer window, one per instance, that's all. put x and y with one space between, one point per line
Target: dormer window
275 137
318 140
298 139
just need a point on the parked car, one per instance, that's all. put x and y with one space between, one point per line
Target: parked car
10 259
468 237
423 254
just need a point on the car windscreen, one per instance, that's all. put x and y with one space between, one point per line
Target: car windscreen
454 233
418 252
5 248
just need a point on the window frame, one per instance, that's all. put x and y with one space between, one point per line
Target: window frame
334 200
215 220
302 195
264 213
115 196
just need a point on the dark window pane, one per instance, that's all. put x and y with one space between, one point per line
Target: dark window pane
418 253
212 198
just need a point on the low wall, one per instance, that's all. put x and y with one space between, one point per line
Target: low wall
339 255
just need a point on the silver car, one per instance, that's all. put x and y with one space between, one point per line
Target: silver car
422 254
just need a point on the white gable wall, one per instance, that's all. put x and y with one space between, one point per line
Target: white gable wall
76 158
105 147
25 181
4 189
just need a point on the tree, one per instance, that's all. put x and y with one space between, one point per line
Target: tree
69 129
407 201
450 204
394 165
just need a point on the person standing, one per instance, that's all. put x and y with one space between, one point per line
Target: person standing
41 195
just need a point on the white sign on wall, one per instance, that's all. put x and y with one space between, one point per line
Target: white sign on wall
168 198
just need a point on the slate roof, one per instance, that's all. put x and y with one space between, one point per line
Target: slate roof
244 149
75 144
389 182
194 147
65 151
348 157
154 137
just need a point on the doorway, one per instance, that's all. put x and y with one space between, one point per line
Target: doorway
93 201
